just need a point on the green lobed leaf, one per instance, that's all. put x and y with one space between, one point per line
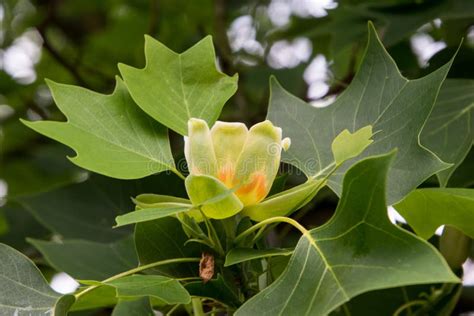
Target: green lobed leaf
165 289
357 251
147 214
172 88
427 209
238 255
84 259
449 131
109 133
394 106
24 291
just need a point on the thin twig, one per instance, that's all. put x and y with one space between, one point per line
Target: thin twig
136 270
154 10
42 27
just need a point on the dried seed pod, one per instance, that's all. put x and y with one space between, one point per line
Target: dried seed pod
206 267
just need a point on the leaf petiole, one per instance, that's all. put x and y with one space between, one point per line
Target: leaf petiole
329 168
135 270
277 219
212 235
178 173
197 306
405 306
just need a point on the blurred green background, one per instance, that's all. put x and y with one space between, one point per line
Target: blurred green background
313 47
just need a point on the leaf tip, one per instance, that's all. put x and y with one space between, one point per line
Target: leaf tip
207 38
123 68
371 26
373 39
49 82
206 42
52 85
235 78
118 222
273 79
274 84
371 31
119 85
451 60
149 41
25 122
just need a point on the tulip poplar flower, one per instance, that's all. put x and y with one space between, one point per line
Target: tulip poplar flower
242 159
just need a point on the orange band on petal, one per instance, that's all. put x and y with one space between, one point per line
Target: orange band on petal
226 175
254 191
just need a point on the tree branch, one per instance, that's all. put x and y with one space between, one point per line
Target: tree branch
54 53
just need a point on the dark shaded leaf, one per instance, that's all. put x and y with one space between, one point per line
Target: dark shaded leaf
165 239
87 260
357 251
24 291
379 96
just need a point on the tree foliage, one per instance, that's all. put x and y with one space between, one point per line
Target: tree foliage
100 185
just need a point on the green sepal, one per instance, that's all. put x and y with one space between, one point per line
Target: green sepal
212 196
172 87
148 214
238 255
286 202
149 200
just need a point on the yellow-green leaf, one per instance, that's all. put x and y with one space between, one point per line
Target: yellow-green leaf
348 145
172 88
109 133
427 209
